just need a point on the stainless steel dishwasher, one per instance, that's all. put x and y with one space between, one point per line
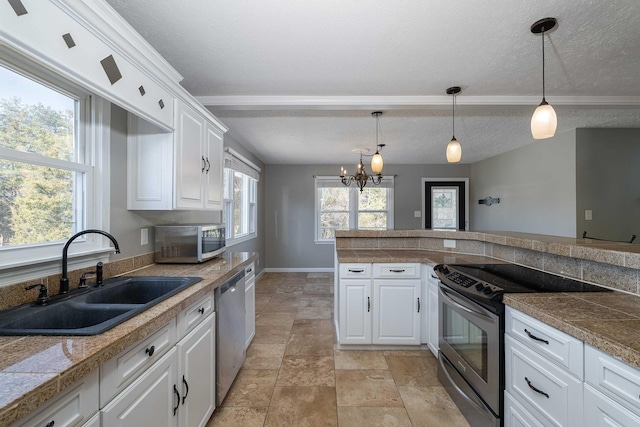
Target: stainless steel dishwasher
230 351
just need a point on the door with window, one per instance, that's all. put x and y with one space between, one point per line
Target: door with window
445 203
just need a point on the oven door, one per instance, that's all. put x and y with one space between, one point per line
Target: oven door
470 338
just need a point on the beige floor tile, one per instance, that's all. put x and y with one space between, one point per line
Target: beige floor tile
307 371
271 335
264 356
312 345
353 416
314 313
285 298
431 406
359 359
303 407
408 353
313 326
280 320
366 388
316 289
281 308
238 417
414 371
252 388
316 301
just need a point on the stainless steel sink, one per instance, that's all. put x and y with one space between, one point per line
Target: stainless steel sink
92 311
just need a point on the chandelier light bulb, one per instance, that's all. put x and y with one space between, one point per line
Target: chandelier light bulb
454 151
377 163
544 121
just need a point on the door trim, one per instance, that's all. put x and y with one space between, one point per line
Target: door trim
466 197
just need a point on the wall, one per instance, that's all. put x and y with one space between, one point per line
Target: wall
290 216
126 225
536 185
608 181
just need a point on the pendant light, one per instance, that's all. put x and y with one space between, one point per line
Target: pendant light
376 160
544 120
361 177
454 150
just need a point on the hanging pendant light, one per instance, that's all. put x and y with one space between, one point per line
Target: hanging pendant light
544 120
454 150
361 177
376 160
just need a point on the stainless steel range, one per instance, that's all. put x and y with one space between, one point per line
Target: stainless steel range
471 331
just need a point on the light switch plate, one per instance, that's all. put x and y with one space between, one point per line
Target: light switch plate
144 236
417 214
588 215
449 243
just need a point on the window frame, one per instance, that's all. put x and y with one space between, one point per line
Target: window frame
354 208
249 207
34 261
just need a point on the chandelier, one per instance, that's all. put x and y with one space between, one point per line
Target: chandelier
361 177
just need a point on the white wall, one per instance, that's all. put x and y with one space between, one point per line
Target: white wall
536 185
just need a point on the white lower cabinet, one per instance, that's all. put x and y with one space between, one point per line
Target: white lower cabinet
93 421
602 411
72 407
151 400
249 304
515 415
433 307
380 308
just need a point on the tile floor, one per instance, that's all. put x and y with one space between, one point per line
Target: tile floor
294 376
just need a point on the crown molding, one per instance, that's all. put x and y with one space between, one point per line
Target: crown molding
399 102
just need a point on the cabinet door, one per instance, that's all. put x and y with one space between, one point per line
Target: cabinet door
396 311
189 157
196 382
213 172
434 317
355 311
148 401
600 411
250 309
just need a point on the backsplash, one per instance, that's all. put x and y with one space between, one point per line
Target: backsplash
13 295
607 265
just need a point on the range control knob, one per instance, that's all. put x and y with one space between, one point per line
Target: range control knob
479 286
487 290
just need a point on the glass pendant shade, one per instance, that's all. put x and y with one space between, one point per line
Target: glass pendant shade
377 163
543 122
454 151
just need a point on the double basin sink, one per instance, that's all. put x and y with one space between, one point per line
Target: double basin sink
91 311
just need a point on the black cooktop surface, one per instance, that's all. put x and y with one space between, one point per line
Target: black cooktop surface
514 278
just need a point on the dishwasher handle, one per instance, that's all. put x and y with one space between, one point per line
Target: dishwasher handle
231 283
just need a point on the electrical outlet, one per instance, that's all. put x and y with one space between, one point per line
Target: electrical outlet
588 215
449 243
417 214
144 236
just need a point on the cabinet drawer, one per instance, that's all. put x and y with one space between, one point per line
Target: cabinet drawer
515 415
355 271
192 316
121 370
73 407
547 341
550 394
614 378
389 271
250 271
431 275
600 411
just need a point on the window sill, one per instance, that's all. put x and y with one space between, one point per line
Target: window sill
237 240
325 242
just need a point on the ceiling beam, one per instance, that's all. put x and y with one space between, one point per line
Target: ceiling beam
399 102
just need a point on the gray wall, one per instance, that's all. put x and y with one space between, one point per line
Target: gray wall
608 181
289 216
536 185
126 225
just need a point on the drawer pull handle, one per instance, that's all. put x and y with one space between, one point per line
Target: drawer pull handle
186 385
537 390
434 277
175 390
51 423
204 164
397 271
533 337
201 310
356 271
418 305
368 304
150 350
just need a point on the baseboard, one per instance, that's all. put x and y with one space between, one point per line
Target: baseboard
299 270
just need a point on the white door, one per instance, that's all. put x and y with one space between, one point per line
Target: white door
355 311
396 308
148 401
197 374
189 157
214 167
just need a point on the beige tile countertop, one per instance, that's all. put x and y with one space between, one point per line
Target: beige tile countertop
609 321
34 369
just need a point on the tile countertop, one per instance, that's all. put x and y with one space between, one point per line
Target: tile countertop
34 369
609 321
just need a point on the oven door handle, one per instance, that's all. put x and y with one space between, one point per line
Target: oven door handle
455 303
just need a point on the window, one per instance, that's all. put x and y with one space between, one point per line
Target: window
342 208
240 198
48 175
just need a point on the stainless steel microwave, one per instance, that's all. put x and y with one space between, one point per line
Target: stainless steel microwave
188 243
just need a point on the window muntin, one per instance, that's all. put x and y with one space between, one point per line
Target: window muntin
240 205
342 208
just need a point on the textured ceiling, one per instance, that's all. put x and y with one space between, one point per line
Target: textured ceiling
296 81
